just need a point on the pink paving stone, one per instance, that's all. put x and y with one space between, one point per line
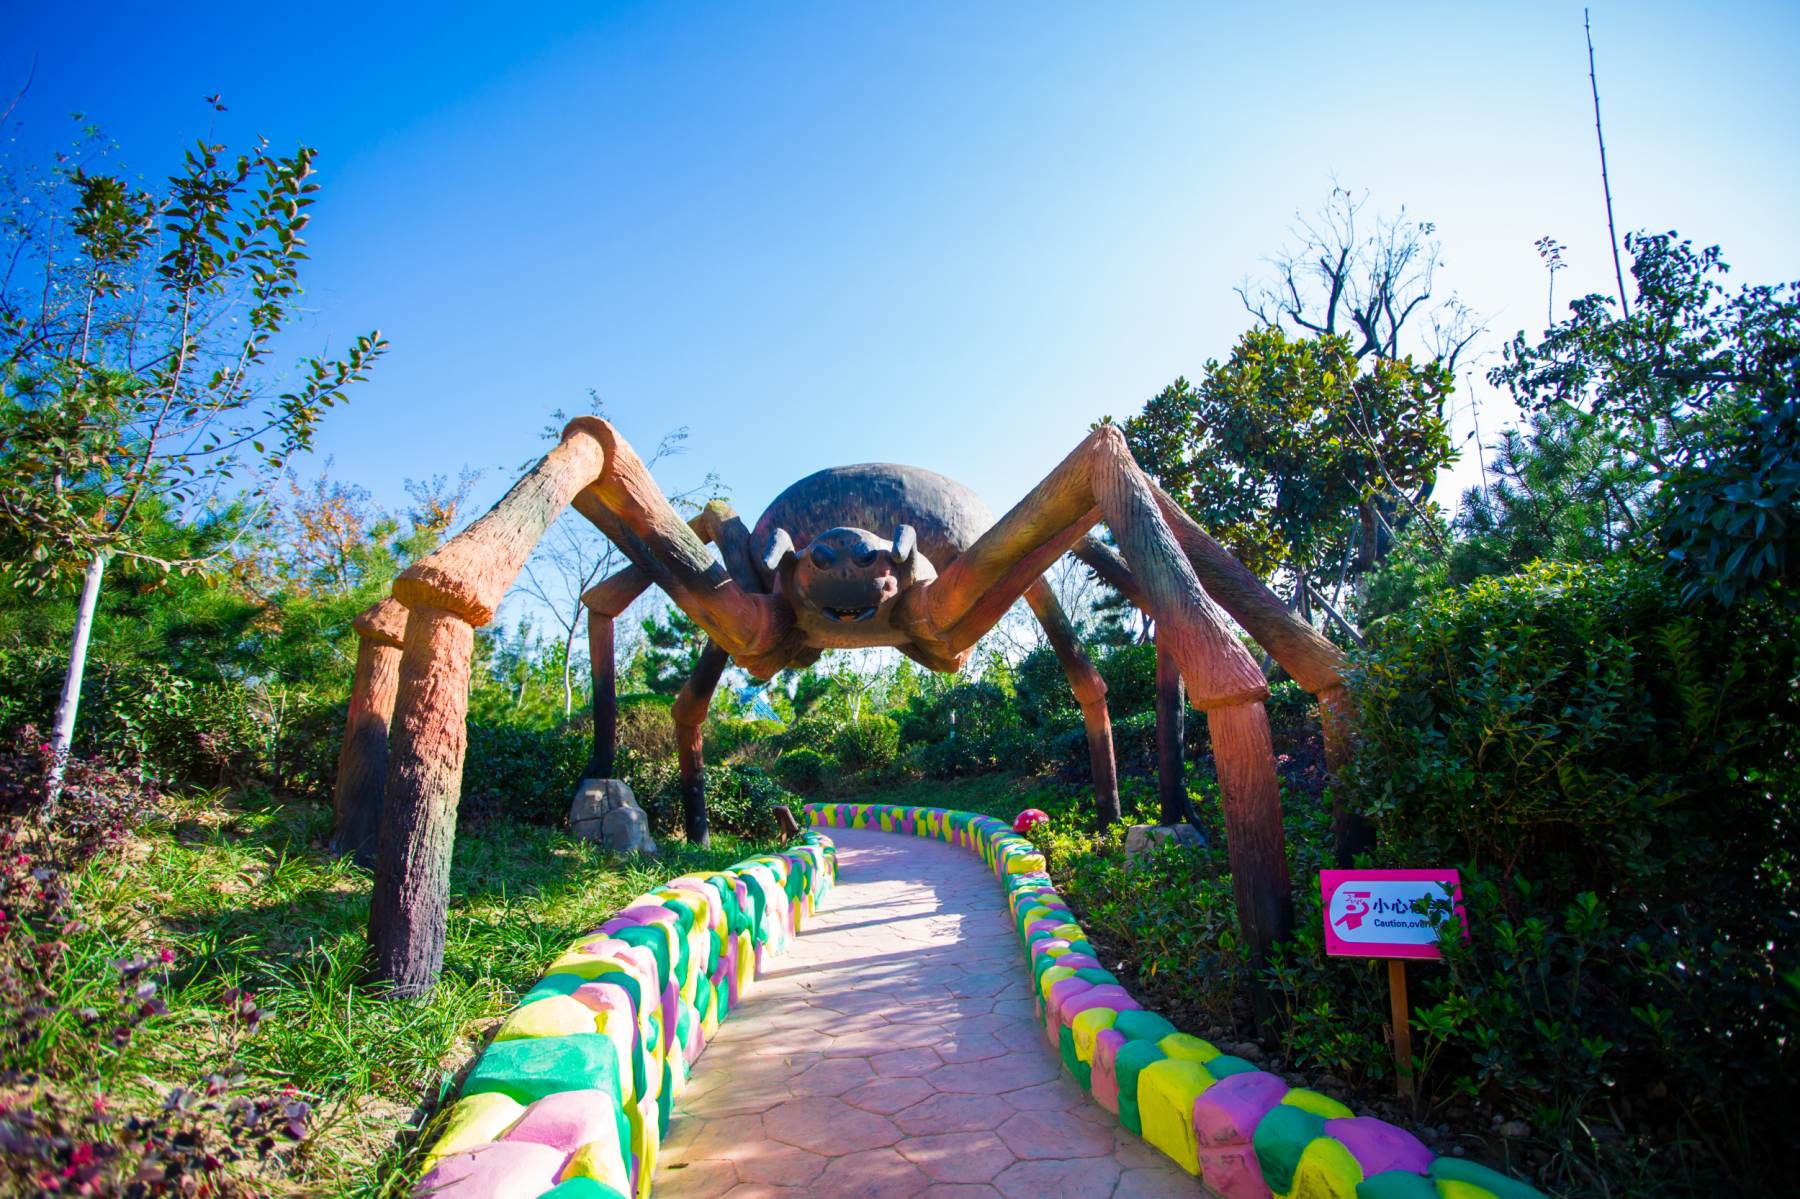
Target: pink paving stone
828 1126
695 1180
831 1077
954 1113
911 964
885 1096
907 1063
1055 1136
776 1164
1092 1178
875 1174
957 1156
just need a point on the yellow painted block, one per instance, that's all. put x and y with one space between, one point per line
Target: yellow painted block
1167 1090
1191 1049
623 1034
1025 863
1068 932
644 1141
1087 1026
678 1072
746 963
1327 1170
557 1016
1450 1188
475 1120
586 965
601 1160
1317 1104
1056 951
1053 976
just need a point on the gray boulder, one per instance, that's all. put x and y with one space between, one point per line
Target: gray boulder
605 810
1140 838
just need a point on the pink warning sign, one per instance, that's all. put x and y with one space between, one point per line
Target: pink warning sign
1385 913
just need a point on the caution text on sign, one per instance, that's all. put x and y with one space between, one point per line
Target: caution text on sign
1383 913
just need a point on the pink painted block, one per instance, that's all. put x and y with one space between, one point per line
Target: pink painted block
1047 945
1105 1081
1045 925
1229 1111
647 913
568 1120
1078 961
731 969
1378 1145
1232 1171
606 997
496 1170
1105 995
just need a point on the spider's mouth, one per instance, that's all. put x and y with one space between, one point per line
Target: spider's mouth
849 615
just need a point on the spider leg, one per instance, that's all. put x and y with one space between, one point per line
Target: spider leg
689 711
604 601
1222 678
756 629
1090 693
362 766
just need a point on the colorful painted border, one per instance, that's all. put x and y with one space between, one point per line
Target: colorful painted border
1243 1131
574 1094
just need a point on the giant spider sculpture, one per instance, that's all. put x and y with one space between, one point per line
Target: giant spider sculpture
874 555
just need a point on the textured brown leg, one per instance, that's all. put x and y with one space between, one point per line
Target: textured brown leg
1090 693
751 627
604 601
606 697
1171 728
448 593
424 781
689 711
1257 846
362 765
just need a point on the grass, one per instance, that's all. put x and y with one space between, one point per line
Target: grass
242 894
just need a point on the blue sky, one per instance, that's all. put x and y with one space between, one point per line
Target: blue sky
950 234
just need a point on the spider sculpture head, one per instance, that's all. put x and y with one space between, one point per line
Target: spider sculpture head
843 585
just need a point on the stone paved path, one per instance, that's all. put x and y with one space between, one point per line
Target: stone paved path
892 1053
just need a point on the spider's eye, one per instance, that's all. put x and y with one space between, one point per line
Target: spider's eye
864 553
823 558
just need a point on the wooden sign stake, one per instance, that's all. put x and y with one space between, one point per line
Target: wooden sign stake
1402 1028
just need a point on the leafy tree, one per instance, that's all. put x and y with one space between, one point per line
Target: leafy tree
1285 448
136 336
1697 389
672 645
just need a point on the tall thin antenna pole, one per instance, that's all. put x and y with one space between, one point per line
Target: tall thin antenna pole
1618 272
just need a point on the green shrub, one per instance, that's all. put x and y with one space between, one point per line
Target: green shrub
529 773
1615 776
741 800
871 741
805 770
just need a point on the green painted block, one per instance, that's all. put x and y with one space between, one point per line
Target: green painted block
1132 1057
1396 1184
565 984
1129 1115
530 1068
1224 1066
1456 1169
1095 975
653 939
583 1188
1142 1026
1065 1046
1082 947
1281 1137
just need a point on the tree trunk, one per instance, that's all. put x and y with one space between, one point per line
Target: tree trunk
62 736
1352 833
362 763
408 911
606 697
1254 839
1171 730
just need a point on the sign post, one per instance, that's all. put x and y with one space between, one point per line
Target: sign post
1382 914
